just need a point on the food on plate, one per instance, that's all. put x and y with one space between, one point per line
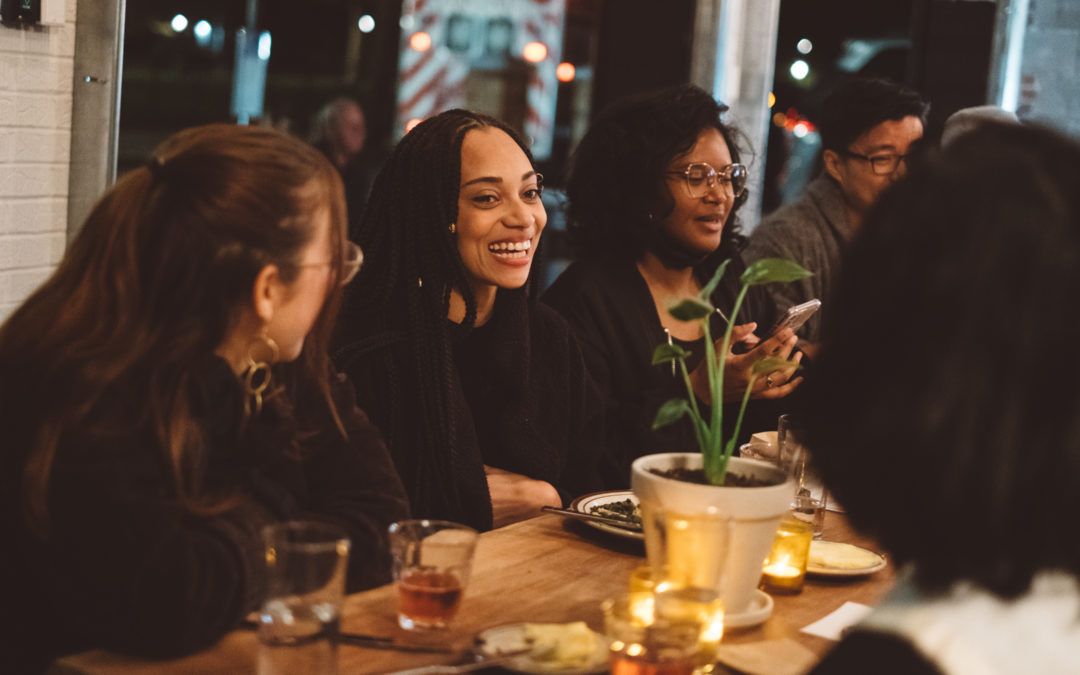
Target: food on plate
626 510
563 645
549 647
838 556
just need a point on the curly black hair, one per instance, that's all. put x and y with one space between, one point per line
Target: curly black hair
617 172
403 291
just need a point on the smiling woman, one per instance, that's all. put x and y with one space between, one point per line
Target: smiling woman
481 392
654 189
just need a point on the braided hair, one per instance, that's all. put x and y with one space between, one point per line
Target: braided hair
403 294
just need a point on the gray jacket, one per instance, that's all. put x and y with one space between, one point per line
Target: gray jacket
813 231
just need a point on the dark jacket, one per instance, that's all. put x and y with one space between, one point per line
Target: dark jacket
609 305
521 401
125 568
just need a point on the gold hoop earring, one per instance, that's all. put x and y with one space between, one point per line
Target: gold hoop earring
453 228
257 378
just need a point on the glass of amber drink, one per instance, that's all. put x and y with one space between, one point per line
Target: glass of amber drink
431 564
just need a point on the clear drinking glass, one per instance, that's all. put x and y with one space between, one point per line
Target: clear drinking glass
811 498
650 644
305 577
432 560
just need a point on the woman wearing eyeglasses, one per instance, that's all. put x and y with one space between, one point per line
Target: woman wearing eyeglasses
481 392
167 393
653 189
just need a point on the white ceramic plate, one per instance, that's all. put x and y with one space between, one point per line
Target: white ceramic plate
761 606
879 564
586 504
502 639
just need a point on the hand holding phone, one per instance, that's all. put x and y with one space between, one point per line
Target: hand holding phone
796 316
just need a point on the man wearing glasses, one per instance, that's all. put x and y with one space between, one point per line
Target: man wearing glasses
868 128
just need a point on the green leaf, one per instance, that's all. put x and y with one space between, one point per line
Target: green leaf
771 363
706 293
691 309
768 270
670 412
666 353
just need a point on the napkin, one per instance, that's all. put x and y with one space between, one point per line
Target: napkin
767 657
832 626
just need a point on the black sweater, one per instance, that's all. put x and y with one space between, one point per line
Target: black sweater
522 401
125 568
609 305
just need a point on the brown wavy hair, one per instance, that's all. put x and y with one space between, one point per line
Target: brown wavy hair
151 286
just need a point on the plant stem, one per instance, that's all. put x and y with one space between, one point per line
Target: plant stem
700 430
716 459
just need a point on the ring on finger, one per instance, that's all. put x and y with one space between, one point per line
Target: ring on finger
769 381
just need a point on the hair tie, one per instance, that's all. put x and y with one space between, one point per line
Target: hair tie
155 164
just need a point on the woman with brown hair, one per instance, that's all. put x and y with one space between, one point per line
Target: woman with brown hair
166 393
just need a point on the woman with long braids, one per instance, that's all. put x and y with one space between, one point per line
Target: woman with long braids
480 391
167 393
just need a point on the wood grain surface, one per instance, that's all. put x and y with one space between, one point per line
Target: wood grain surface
547 569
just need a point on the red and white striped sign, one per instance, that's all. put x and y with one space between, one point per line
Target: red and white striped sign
461 33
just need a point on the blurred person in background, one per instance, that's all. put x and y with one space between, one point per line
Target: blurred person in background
480 390
869 127
339 131
167 393
963 458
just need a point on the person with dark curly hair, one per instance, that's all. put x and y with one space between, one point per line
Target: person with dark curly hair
654 187
167 393
963 458
481 391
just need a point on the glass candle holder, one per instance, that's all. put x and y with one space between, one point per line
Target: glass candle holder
785 568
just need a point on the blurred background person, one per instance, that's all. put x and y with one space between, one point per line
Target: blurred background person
869 127
969 119
167 393
339 131
654 188
481 391
963 457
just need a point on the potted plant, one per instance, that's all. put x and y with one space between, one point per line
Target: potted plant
731 504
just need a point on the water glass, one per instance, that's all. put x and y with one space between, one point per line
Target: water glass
811 510
305 577
431 564
650 644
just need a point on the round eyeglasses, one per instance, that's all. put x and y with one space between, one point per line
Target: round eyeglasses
353 260
701 177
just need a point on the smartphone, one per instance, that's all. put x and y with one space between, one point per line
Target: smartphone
796 316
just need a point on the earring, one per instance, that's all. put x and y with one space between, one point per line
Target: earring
453 228
257 378
419 282
650 215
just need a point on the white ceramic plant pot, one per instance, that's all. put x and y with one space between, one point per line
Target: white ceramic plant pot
754 514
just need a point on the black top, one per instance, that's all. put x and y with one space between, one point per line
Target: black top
609 305
871 652
125 568
522 399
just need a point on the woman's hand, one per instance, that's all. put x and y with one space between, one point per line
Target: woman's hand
738 367
515 497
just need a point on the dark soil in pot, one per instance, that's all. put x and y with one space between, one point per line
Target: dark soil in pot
698 476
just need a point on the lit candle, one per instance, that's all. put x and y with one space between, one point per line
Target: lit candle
785 570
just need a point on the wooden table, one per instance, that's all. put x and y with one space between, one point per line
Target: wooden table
542 570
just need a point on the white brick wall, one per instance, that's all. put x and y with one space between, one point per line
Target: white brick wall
36 69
